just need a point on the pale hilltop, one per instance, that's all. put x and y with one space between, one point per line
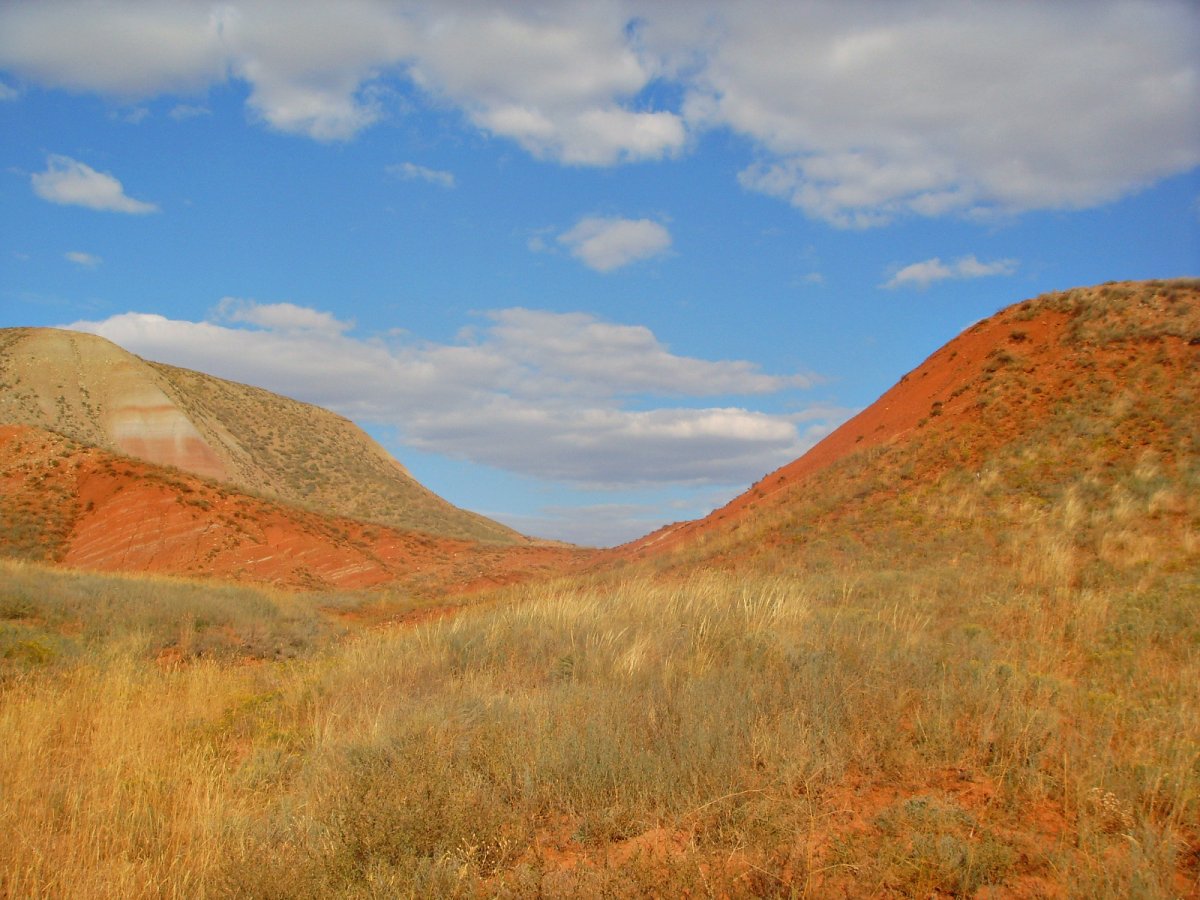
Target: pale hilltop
94 392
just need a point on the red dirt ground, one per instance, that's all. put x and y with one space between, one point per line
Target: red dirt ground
122 515
890 419
851 809
941 395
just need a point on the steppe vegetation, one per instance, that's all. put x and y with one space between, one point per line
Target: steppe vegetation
870 728
962 663
305 455
79 385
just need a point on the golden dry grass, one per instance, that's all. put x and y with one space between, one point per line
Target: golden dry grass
876 731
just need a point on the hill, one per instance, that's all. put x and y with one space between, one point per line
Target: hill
1053 407
86 508
95 393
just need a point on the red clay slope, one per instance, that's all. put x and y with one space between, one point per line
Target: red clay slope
86 508
944 390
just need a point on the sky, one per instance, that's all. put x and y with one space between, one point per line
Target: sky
586 268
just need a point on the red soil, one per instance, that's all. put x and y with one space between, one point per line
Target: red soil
850 812
891 419
943 396
122 515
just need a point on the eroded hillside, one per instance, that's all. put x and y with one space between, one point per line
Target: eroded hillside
82 507
1059 406
92 391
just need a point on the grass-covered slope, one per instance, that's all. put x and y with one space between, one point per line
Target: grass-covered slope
93 392
1079 409
304 454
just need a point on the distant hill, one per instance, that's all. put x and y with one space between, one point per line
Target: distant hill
86 508
1081 406
97 394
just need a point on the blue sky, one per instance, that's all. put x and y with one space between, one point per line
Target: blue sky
586 268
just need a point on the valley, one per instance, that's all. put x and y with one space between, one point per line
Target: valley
950 651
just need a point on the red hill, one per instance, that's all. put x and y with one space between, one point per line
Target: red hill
1073 370
87 508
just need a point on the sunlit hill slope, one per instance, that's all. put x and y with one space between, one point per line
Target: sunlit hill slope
86 508
88 389
1080 407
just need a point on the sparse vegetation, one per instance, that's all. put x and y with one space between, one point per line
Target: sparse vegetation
284 450
308 456
964 663
901 729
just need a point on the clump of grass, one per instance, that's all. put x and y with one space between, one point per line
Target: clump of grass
68 613
116 779
925 846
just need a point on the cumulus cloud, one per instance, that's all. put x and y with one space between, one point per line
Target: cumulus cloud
8 92
284 317
562 396
312 66
309 63
593 355
858 112
922 274
72 183
605 244
412 172
120 49
863 112
556 78
87 260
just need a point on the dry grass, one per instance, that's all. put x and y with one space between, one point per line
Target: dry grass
893 731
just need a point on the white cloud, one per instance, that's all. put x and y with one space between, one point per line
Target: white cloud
412 172
922 274
594 355
565 397
864 111
283 317
135 115
72 183
308 63
858 111
556 78
87 260
120 49
8 92
605 244
181 112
